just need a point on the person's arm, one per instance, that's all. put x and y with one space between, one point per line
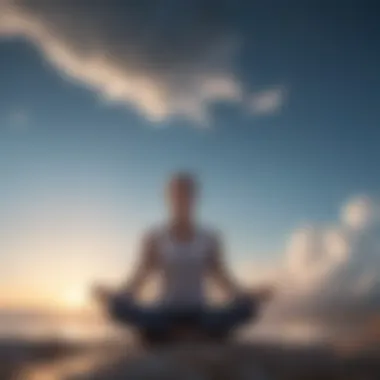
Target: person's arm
225 280
145 267
219 273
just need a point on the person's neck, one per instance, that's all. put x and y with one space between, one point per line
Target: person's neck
182 228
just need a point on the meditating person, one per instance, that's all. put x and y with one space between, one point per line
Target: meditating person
184 255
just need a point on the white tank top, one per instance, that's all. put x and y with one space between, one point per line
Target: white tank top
183 267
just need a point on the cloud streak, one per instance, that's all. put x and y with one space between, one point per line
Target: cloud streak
164 59
267 102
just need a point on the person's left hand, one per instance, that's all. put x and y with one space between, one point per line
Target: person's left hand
101 293
260 294
264 293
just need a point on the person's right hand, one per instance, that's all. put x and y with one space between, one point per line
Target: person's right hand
265 293
101 293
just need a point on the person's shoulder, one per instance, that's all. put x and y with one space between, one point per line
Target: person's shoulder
154 233
211 233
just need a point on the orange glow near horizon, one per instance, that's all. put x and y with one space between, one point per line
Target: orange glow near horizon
53 266
71 299
76 299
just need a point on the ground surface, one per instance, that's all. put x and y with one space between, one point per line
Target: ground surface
240 361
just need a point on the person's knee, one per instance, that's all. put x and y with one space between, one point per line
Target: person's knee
247 309
120 308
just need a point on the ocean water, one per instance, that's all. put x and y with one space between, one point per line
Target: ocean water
45 327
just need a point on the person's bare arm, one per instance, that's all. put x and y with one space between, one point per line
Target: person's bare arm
225 280
145 267
219 272
146 264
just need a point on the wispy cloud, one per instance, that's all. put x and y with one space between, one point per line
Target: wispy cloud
268 102
133 56
360 213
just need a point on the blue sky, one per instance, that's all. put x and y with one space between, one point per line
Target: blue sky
280 119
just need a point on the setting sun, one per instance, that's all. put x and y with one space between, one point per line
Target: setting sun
75 299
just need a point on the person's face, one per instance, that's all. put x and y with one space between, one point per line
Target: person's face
181 198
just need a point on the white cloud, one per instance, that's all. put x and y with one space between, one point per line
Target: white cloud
331 273
315 253
328 276
360 212
131 61
268 102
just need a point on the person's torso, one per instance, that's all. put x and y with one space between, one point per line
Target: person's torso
183 266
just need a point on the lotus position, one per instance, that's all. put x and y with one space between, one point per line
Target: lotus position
184 255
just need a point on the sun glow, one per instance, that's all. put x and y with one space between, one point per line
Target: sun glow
75 299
